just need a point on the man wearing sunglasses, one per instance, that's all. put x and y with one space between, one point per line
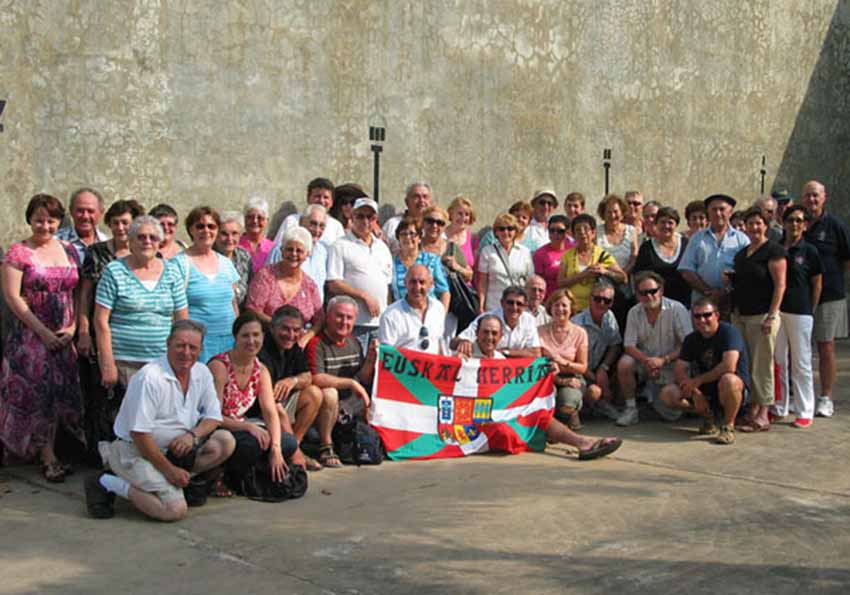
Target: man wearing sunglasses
604 344
519 339
711 374
417 320
360 266
543 204
655 329
417 198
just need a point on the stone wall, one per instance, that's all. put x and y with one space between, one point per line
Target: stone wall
196 102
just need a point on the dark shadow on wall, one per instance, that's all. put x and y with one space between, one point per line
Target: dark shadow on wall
819 145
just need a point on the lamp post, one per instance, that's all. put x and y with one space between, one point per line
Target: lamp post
377 135
606 163
763 171
2 107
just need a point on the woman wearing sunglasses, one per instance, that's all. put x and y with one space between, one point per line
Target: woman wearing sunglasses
211 280
794 342
503 263
547 258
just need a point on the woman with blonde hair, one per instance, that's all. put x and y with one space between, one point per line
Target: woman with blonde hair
502 263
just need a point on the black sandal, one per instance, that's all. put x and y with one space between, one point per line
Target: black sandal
54 471
328 458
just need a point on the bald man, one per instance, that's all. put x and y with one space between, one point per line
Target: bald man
417 320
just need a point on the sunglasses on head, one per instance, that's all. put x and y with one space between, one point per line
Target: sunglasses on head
703 315
601 299
648 292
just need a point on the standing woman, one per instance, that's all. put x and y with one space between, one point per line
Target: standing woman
39 386
435 219
758 290
502 263
254 239
794 341
227 244
285 282
100 410
547 258
620 240
566 344
582 264
662 253
461 257
408 234
137 299
210 279
167 217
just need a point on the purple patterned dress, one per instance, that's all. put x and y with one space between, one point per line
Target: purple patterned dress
40 389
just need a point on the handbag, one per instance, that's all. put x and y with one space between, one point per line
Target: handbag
258 485
465 301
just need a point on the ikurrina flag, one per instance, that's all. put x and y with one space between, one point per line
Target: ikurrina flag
427 406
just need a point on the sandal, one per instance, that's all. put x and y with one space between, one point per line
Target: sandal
53 471
726 435
220 489
754 426
311 464
328 458
600 448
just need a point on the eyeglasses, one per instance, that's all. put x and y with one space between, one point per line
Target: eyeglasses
408 234
432 221
255 217
167 224
366 216
648 292
600 299
347 202
505 228
148 237
557 230
515 303
635 203
202 226
797 220
703 315
320 225
546 203
423 335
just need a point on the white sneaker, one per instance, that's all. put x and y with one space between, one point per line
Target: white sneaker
825 407
628 417
607 409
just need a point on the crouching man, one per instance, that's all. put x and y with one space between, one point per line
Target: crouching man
716 357
170 413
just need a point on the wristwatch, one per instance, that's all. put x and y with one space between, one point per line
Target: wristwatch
194 438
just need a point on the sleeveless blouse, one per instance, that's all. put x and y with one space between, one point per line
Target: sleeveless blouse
238 401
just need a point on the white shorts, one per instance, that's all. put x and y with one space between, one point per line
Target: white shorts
125 461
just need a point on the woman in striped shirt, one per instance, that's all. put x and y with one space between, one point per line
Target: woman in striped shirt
137 299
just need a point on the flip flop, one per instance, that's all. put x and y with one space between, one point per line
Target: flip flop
599 449
311 464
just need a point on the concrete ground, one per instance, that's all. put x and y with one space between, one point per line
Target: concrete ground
668 513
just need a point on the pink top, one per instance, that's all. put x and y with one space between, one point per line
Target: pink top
547 262
261 255
575 340
264 294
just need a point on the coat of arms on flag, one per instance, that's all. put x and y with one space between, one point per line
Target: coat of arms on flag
426 406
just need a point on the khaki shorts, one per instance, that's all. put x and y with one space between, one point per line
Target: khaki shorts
654 385
290 404
830 321
125 461
126 370
567 396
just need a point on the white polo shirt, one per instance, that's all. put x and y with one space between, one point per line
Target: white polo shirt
333 229
401 326
522 336
365 267
154 403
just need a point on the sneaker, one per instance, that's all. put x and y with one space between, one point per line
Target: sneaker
707 427
99 501
606 409
825 407
665 412
802 423
726 435
628 417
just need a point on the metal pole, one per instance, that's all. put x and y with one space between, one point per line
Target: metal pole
377 134
2 107
606 163
763 172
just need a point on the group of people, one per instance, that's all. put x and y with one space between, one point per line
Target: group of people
179 367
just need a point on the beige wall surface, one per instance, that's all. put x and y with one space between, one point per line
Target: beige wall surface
196 102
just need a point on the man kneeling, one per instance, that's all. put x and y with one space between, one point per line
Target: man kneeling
170 413
719 373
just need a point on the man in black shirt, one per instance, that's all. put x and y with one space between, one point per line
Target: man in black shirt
716 357
293 385
831 238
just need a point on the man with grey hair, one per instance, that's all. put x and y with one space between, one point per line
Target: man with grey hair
535 287
168 434
339 369
417 198
86 209
314 219
767 205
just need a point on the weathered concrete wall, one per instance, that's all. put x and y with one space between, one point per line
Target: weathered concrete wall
204 102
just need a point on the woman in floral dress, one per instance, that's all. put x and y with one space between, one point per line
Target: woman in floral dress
39 385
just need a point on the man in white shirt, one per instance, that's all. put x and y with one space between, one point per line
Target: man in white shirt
320 191
417 198
361 266
535 287
417 320
519 339
170 412
86 209
655 330
543 204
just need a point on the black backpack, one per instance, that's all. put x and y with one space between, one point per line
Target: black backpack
257 484
356 442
